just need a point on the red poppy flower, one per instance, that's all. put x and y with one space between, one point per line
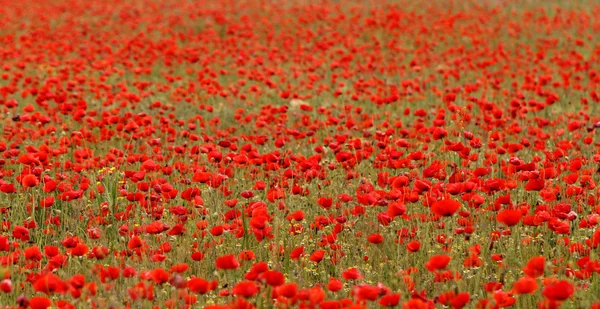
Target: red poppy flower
460 300
317 256
445 207
6 286
245 289
198 285
535 267
390 300
287 290
179 268
33 253
334 285
525 285
559 291
351 274
247 255
437 262
535 184
29 181
39 302
134 242
227 262
49 284
366 292
413 246
159 275
273 278
375 238
325 202
509 217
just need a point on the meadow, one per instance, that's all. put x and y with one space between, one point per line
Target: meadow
299 154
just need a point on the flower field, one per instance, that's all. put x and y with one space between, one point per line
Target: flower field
299 154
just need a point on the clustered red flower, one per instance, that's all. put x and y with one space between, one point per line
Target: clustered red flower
294 154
